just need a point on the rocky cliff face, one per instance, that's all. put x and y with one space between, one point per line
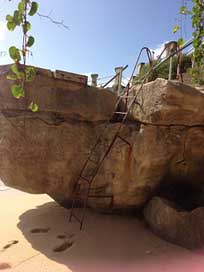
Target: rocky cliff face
43 152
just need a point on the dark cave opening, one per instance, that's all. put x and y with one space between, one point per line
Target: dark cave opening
181 192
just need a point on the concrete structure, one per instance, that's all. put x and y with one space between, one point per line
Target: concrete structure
140 66
94 78
118 80
171 47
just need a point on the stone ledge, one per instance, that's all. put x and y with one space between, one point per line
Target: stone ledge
61 75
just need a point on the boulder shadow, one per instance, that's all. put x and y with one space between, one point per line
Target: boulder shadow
112 242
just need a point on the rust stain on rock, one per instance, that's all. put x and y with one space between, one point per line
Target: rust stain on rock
128 164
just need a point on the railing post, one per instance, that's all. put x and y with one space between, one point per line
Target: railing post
94 78
171 47
140 66
133 80
118 80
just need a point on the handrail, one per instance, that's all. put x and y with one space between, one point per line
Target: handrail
153 68
137 61
116 75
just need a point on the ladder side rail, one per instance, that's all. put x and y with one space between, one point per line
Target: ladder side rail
123 69
84 207
186 45
102 134
99 137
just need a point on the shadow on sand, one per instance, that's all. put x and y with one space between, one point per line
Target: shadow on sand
110 242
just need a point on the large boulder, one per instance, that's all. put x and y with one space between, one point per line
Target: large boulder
184 228
171 103
44 152
169 143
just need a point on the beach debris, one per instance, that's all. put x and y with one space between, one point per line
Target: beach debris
4 266
40 230
10 243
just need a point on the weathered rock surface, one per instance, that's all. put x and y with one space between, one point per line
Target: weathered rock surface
43 152
169 103
185 228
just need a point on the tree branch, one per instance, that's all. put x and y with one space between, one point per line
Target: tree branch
59 23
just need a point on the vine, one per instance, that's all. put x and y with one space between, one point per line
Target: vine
197 18
22 74
198 39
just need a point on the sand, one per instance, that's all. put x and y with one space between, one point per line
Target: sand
35 235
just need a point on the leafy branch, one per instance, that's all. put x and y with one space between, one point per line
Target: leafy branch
22 74
197 17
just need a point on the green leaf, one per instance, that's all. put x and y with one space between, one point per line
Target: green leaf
14 53
30 41
21 7
18 74
183 10
181 42
17 17
176 28
11 77
33 9
30 73
33 106
26 27
11 26
21 75
9 18
17 91
14 69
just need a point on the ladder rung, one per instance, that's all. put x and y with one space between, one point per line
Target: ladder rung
122 139
101 196
120 112
95 162
87 180
76 217
127 96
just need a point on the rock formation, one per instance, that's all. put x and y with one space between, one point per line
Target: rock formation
185 228
43 152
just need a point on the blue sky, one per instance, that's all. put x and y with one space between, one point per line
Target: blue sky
103 33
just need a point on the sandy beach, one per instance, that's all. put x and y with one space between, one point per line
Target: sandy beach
36 236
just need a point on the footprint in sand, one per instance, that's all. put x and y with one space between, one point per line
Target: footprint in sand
63 246
40 230
11 243
61 236
4 266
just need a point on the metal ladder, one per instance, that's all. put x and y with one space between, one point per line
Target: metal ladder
83 179
82 197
